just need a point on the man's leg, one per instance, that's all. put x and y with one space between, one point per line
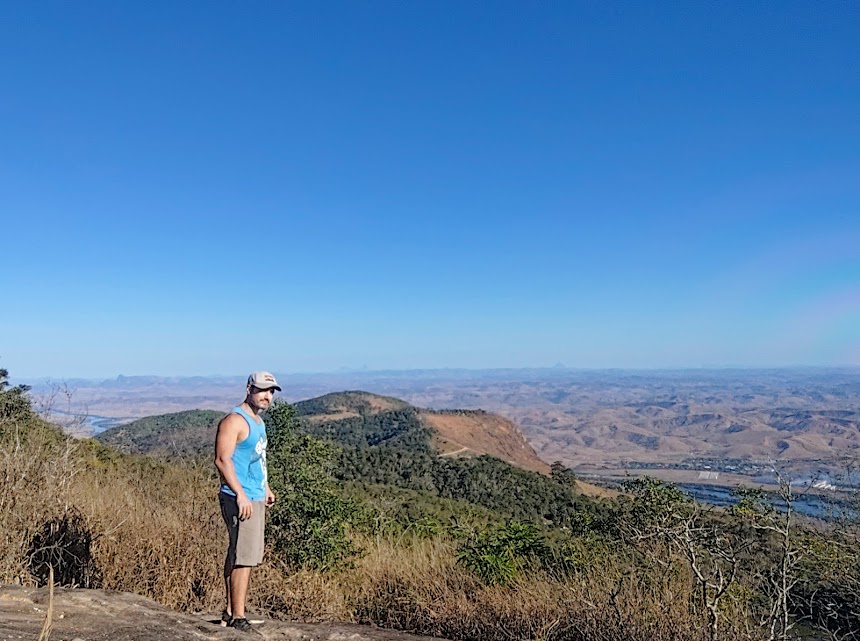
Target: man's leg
230 512
237 592
228 570
248 552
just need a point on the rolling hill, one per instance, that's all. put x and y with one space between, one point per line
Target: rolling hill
355 418
460 433
189 432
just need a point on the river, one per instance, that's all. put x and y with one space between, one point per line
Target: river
819 505
97 424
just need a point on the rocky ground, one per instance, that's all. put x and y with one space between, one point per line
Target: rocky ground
102 615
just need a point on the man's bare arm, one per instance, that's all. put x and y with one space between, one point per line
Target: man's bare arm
230 432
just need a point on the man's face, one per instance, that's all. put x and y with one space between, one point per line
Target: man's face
260 398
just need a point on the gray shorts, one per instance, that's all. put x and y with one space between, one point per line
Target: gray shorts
246 537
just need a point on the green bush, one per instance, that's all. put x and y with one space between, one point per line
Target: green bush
310 522
496 555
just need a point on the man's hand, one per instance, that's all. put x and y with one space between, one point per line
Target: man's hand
270 497
245 507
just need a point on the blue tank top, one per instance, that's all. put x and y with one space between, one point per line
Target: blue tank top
249 459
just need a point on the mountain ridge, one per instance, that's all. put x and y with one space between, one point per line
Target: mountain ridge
461 433
597 419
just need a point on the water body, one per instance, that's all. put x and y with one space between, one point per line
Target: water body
817 505
97 424
102 423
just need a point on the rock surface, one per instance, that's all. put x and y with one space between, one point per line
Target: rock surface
103 615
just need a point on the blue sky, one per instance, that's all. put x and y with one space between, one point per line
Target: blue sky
201 188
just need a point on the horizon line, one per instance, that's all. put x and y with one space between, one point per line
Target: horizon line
416 370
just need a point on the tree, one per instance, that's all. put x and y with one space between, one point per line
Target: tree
562 475
781 580
831 590
310 521
14 404
661 512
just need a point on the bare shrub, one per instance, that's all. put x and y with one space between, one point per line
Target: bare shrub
62 550
55 404
37 468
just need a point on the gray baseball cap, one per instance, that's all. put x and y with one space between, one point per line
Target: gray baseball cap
263 380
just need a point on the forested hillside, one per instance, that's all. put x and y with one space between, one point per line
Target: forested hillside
188 432
451 432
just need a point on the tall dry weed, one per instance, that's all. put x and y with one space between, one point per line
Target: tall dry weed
158 532
37 470
419 587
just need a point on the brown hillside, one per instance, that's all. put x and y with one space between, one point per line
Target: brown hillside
462 433
473 433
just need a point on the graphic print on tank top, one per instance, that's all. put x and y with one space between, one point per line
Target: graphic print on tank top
261 452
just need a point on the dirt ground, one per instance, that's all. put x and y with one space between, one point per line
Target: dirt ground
102 615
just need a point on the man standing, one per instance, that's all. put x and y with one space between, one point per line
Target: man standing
240 456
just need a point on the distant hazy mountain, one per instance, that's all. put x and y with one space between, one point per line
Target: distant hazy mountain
588 419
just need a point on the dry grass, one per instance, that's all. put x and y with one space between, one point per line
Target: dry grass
419 587
156 531
158 535
36 472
